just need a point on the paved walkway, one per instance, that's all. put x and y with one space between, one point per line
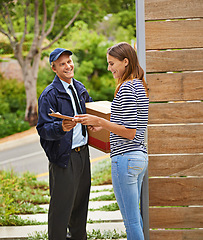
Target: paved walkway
109 220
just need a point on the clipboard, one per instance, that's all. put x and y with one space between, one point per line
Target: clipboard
59 115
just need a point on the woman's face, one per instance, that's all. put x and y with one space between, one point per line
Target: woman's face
116 66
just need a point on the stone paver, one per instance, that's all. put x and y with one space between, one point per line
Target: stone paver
8 233
110 219
114 216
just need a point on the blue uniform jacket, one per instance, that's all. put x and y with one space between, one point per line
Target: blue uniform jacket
56 143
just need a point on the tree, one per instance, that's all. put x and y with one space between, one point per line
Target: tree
34 21
41 28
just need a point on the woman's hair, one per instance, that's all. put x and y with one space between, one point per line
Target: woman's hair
133 70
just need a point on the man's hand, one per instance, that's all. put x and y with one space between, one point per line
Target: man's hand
67 125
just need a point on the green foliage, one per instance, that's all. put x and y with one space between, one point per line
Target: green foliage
15 220
106 234
12 94
5 48
23 194
11 123
110 207
119 5
94 234
64 14
101 173
93 11
107 197
42 235
45 77
127 18
87 39
119 27
19 195
44 54
12 102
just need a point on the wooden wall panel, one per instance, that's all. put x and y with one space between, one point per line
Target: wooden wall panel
174 61
175 191
176 217
172 9
174 34
183 138
175 132
185 112
184 234
175 86
176 165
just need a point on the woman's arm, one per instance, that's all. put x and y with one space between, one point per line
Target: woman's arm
87 119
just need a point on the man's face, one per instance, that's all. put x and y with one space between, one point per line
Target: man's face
64 67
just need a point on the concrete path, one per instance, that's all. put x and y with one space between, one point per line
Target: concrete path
108 220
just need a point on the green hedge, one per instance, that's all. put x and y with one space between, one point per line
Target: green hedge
11 123
5 48
12 110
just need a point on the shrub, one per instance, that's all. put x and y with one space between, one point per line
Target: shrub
5 48
11 123
45 77
12 111
12 95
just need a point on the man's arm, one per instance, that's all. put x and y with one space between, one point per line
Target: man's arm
50 128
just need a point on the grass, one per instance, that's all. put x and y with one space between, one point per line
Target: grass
106 197
23 194
101 173
110 207
102 190
94 234
20 195
15 220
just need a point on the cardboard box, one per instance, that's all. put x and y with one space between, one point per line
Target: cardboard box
99 140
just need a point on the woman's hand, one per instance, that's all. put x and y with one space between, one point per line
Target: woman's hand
94 129
94 121
87 119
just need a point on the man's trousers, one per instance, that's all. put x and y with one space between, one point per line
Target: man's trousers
69 190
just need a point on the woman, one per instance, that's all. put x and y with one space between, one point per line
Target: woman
129 117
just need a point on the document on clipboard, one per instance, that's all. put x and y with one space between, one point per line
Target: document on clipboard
59 115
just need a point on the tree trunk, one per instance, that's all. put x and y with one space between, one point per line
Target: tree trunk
30 82
30 63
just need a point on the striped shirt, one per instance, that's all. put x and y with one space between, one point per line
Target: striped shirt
129 108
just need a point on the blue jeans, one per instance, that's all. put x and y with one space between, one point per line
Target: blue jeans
128 170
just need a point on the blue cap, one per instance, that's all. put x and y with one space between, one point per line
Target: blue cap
57 53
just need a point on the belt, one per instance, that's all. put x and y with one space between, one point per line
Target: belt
78 149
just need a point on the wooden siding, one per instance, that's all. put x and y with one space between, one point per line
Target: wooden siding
174 68
184 234
176 217
176 191
176 165
183 86
173 9
182 138
174 61
176 112
174 34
